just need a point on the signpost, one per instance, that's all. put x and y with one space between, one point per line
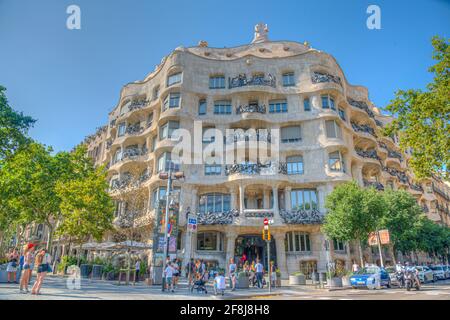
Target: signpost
266 237
191 228
377 239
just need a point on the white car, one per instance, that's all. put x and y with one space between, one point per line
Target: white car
425 274
447 271
438 272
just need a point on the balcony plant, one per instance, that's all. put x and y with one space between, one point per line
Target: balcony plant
297 278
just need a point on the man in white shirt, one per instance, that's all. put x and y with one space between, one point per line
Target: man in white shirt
168 273
259 273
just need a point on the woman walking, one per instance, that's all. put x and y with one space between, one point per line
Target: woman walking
43 263
11 269
27 261
273 274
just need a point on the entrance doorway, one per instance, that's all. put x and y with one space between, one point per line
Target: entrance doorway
252 247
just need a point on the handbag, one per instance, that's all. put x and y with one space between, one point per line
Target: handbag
49 269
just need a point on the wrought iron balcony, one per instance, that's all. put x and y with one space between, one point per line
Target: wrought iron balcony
108 144
212 218
134 129
363 128
377 185
394 154
242 81
319 77
249 168
112 123
396 173
126 181
425 208
300 216
379 123
416 187
367 154
361 105
134 153
260 135
252 108
258 213
138 104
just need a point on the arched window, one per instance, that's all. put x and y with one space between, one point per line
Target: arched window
297 242
214 202
294 165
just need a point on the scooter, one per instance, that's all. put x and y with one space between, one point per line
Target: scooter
400 278
410 281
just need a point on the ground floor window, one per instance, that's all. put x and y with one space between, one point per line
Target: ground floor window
338 245
297 242
209 241
308 267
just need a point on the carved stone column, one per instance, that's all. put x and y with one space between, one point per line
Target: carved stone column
266 199
194 200
287 198
231 242
275 200
241 199
281 254
233 199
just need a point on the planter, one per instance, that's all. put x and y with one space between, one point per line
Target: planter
335 282
346 281
85 270
97 271
242 282
297 280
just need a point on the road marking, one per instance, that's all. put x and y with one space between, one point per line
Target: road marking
345 299
324 298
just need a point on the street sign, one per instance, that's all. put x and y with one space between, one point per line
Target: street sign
266 221
192 223
384 237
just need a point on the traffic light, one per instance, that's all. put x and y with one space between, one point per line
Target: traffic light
266 234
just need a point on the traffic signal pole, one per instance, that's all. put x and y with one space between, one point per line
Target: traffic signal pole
266 237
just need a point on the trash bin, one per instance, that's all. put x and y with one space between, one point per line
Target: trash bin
97 271
84 270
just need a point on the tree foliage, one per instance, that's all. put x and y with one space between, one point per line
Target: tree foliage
13 127
422 118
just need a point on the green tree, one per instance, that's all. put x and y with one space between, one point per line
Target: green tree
422 118
86 208
13 127
353 212
401 219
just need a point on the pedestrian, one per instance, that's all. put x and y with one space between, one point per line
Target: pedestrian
355 267
252 274
168 274
138 270
232 274
259 273
11 268
43 260
219 283
273 274
176 272
27 262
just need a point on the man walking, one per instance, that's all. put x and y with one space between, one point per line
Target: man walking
259 273
232 274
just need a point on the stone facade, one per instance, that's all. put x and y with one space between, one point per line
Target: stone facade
335 118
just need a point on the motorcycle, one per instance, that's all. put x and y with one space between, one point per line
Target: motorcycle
400 278
411 281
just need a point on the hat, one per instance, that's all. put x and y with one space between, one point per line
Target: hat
30 245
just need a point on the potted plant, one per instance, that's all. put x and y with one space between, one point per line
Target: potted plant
334 280
297 278
242 281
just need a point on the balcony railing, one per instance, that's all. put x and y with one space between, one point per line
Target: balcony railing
126 181
252 108
242 81
377 185
394 154
212 218
361 105
372 154
258 213
416 187
138 104
249 168
257 135
134 129
396 173
134 153
319 77
363 128
300 216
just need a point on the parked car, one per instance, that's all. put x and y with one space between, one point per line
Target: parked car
438 272
447 271
370 277
425 274
393 276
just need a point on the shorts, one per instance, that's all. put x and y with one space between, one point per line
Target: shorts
43 268
169 280
26 267
12 267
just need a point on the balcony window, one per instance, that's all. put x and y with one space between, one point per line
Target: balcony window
208 135
213 169
117 156
306 104
328 102
210 241
154 139
291 134
298 242
165 162
166 131
122 129
335 161
342 114
217 82
171 101
278 106
174 79
202 107
288 79
222 107
215 202
333 129
304 199
294 165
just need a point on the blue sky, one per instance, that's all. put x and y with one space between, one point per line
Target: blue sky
70 79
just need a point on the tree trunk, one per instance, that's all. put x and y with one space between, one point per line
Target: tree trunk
360 253
49 238
391 247
79 255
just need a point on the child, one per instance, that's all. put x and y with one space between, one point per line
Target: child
219 283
